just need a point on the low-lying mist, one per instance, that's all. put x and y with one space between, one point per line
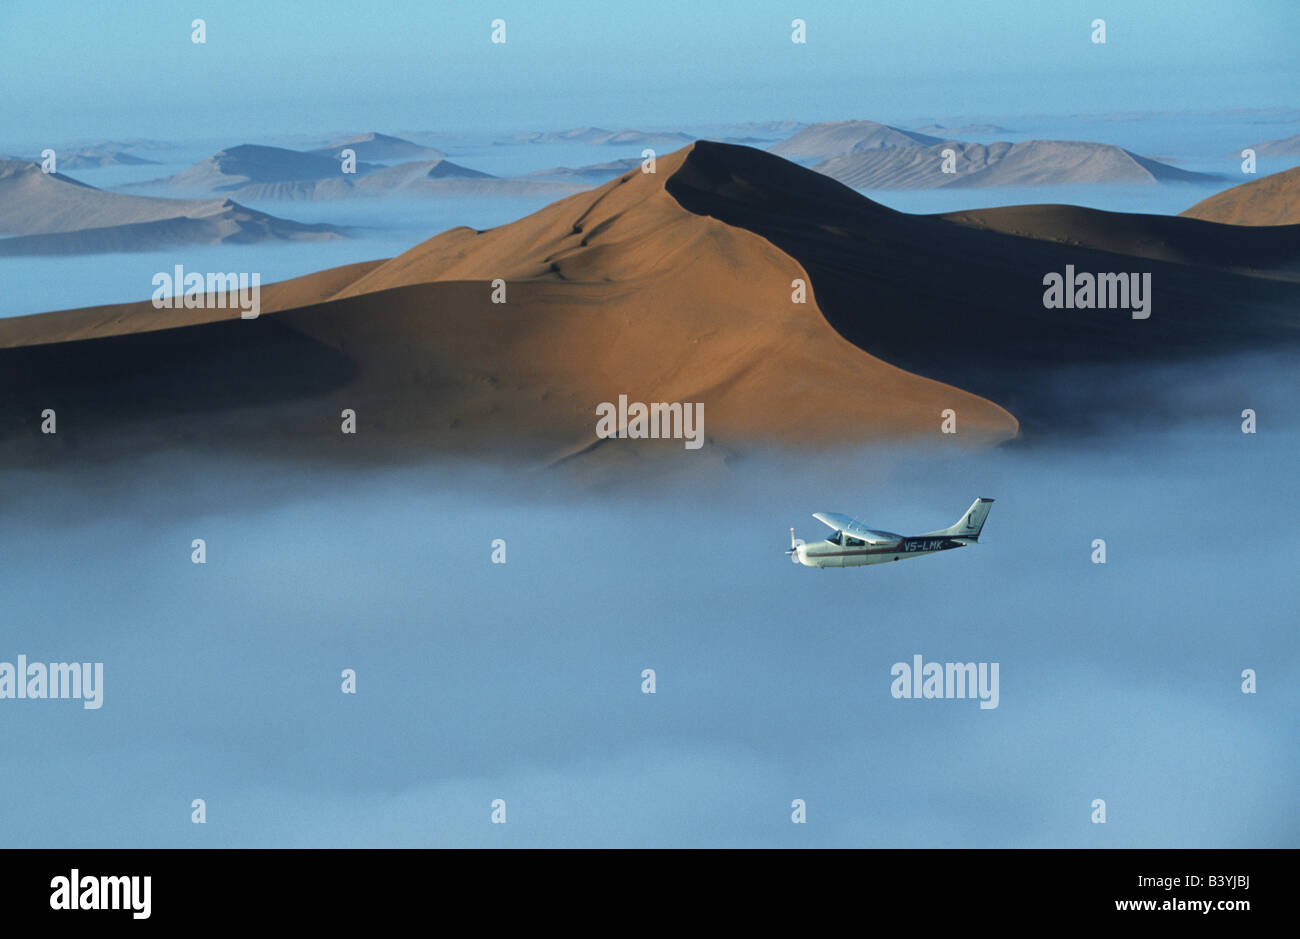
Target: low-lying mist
522 680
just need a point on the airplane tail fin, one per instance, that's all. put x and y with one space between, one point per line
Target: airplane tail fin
971 524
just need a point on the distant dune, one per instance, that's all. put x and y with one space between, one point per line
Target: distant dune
1285 147
869 155
820 141
1270 200
425 179
591 174
380 148
598 136
429 169
673 286
55 214
256 173
1030 163
252 164
93 157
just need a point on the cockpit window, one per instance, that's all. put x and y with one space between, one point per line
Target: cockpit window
854 542
837 538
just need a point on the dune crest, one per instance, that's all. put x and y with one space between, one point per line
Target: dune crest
1270 200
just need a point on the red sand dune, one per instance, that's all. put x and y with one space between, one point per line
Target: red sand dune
1272 200
673 286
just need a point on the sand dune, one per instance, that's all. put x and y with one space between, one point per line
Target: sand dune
964 305
417 178
1270 200
380 148
257 174
91 157
1266 254
1283 147
674 286
251 164
1031 163
49 213
869 155
424 179
590 174
33 202
835 138
616 291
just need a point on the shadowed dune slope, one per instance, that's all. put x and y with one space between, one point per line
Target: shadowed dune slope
1257 252
963 303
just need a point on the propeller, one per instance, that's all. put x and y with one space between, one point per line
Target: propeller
793 550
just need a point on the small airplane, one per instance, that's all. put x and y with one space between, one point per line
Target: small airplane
854 544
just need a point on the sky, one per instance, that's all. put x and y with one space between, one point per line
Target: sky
87 70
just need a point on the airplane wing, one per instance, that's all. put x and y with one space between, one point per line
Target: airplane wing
851 526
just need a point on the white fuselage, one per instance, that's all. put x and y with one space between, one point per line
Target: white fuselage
843 552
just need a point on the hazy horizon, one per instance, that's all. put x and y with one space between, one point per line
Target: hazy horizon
293 68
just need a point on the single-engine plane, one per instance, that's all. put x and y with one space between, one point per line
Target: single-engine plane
853 544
